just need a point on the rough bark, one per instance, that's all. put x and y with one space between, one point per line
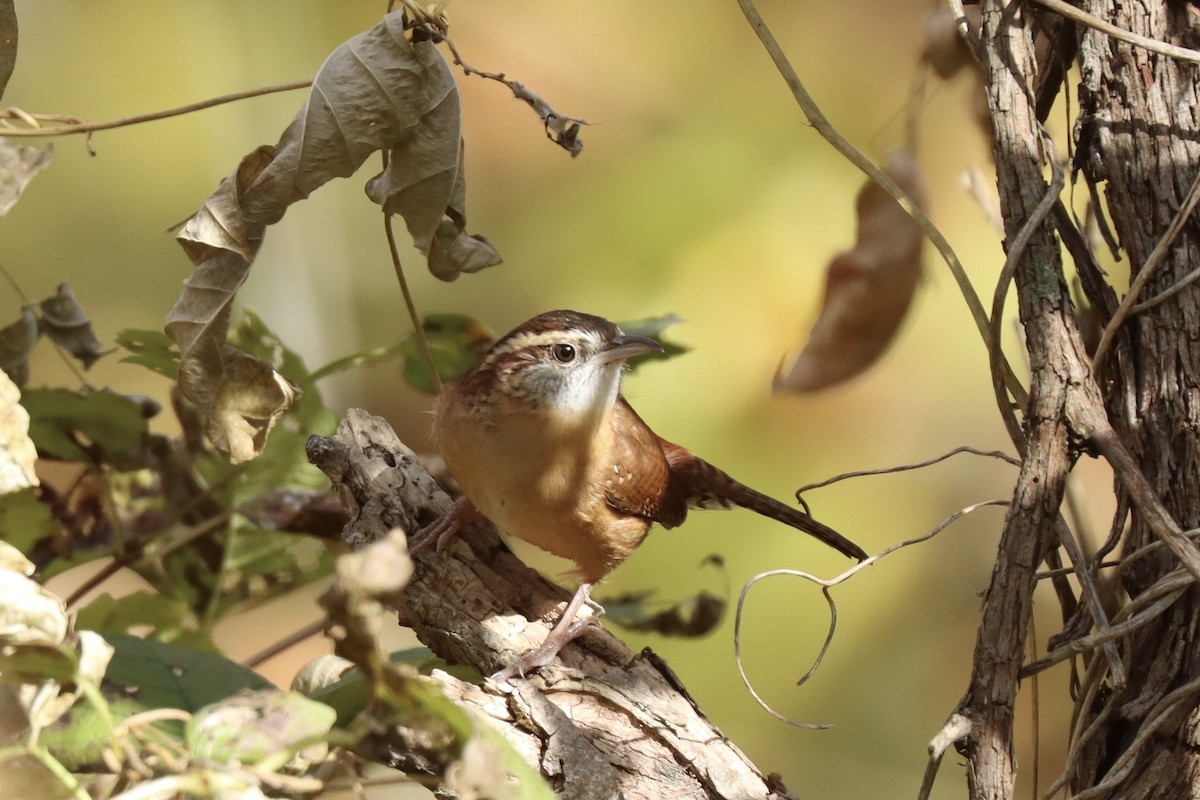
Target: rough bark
1138 138
602 721
1056 366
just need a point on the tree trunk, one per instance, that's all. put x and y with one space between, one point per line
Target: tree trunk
1140 117
1136 732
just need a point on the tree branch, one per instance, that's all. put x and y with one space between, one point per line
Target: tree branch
598 722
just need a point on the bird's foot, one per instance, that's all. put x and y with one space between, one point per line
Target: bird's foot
569 627
440 532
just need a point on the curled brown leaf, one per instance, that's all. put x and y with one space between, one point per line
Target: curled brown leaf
64 321
377 91
18 455
945 51
19 163
868 289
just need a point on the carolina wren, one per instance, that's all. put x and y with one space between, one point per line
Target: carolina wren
541 442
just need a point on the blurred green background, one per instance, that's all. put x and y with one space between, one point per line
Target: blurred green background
701 191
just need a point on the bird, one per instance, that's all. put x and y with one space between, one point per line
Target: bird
541 442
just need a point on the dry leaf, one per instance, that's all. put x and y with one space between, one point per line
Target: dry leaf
376 91
424 184
868 289
945 51
16 343
18 455
19 163
253 396
67 326
29 613
48 701
8 42
14 560
324 670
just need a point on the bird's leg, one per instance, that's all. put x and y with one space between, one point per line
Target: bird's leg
441 531
567 628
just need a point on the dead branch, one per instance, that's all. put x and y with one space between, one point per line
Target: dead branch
603 721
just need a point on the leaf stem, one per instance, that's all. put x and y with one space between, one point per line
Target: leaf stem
75 125
418 328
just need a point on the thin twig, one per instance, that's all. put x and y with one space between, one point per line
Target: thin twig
410 304
737 644
826 585
560 129
1158 716
1092 597
1154 45
1092 422
1116 631
1079 738
36 120
292 639
69 782
964 30
906 467
1035 717
1156 257
1007 273
957 728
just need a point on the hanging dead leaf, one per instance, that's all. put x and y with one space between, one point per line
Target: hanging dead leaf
16 343
424 184
67 326
376 91
18 455
19 163
691 616
29 612
253 396
945 51
867 289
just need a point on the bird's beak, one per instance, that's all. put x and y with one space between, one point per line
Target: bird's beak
623 347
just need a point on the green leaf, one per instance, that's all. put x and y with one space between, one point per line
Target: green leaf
696 615
26 522
62 422
262 564
78 739
692 616
350 695
151 349
163 615
34 662
249 728
365 358
456 342
161 675
654 327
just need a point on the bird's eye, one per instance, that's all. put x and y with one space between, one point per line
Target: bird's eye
564 353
